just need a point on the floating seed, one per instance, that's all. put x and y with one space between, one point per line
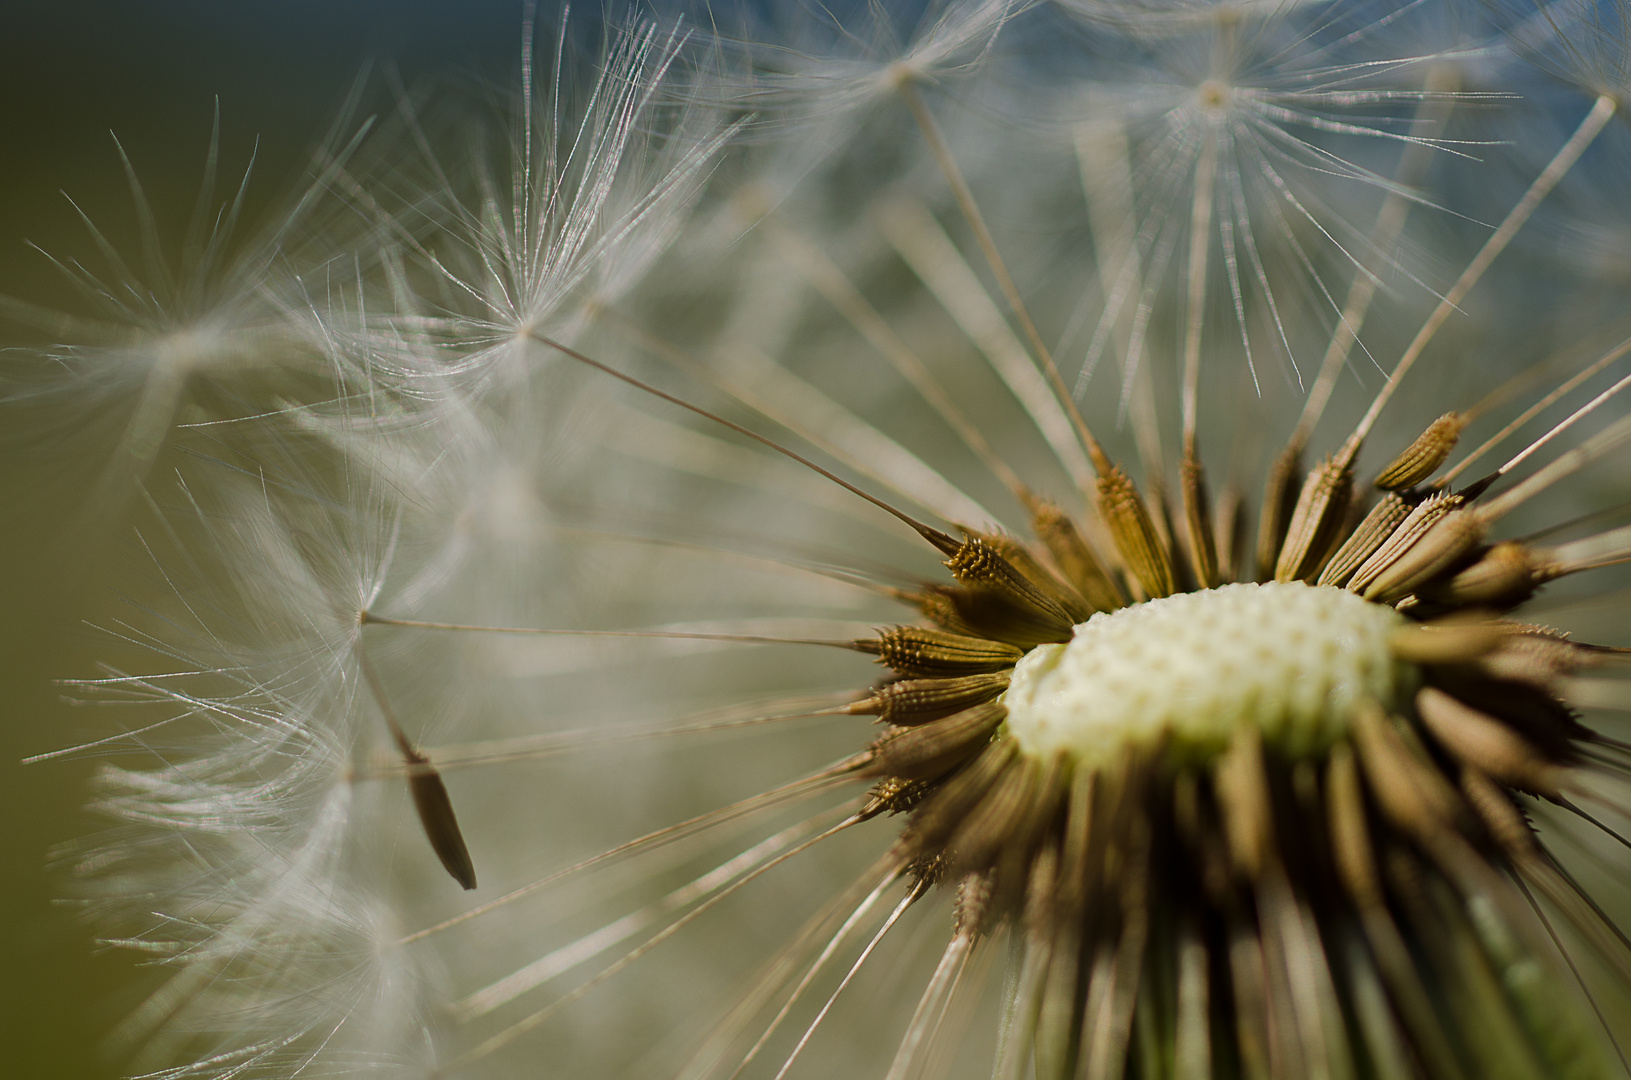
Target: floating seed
435 809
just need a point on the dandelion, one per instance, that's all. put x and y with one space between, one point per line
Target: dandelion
732 562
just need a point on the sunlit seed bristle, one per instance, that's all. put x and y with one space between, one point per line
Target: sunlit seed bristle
1198 524
1317 520
915 650
1280 495
1503 576
1372 532
1445 543
1075 557
1135 534
1423 457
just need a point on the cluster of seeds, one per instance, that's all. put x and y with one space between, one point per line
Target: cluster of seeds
1290 808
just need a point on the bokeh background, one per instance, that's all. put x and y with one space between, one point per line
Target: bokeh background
150 72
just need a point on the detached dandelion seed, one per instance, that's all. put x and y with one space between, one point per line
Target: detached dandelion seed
654 424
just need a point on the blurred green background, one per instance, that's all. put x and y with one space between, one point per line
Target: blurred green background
149 71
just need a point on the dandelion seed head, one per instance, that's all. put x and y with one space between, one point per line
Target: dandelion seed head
701 505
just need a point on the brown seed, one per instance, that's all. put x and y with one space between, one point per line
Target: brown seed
1487 744
1503 819
1504 576
1410 793
1317 520
1279 503
932 749
944 810
435 809
1078 562
917 701
1423 457
1135 534
1006 597
1350 834
1243 793
1450 643
1050 584
894 795
1405 535
1536 659
993 826
1443 545
916 650
1197 521
1372 532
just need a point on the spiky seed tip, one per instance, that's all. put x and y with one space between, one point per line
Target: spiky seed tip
1423 457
